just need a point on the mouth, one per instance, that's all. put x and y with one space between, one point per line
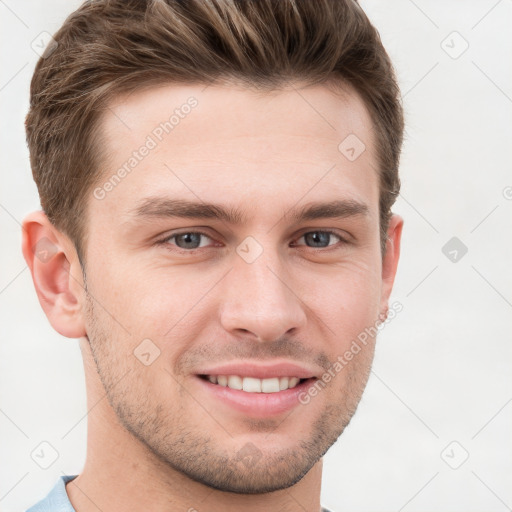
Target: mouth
253 384
256 391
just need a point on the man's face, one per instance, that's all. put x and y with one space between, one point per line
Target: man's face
178 305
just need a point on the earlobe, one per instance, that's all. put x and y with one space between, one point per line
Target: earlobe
390 262
56 274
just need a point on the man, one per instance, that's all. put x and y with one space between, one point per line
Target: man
216 181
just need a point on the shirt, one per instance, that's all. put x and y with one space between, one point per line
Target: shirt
57 499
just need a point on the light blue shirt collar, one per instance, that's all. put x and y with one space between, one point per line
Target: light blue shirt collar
57 499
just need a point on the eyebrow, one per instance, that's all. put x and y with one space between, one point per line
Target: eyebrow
160 207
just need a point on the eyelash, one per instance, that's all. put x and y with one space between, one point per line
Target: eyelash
166 240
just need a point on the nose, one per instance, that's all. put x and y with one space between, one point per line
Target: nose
259 298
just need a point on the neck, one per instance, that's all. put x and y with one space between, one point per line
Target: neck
121 473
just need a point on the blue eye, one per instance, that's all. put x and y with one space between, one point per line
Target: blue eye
189 240
320 239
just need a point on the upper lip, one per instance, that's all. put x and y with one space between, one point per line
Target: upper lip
260 370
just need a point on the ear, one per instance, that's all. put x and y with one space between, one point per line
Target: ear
56 273
390 262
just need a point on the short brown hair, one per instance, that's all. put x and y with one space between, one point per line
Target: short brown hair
110 47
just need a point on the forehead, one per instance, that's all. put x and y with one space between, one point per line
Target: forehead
227 142
215 112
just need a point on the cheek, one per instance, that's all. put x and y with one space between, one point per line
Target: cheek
145 300
171 308
348 302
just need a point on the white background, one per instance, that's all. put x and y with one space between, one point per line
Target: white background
443 367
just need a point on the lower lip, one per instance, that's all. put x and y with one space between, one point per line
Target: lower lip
257 404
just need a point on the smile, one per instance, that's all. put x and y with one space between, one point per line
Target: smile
254 385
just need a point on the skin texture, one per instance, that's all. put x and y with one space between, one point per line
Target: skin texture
160 441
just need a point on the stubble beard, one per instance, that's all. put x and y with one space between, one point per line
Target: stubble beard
172 443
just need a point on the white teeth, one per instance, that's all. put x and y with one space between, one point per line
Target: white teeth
283 383
293 382
254 385
270 385
235 382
